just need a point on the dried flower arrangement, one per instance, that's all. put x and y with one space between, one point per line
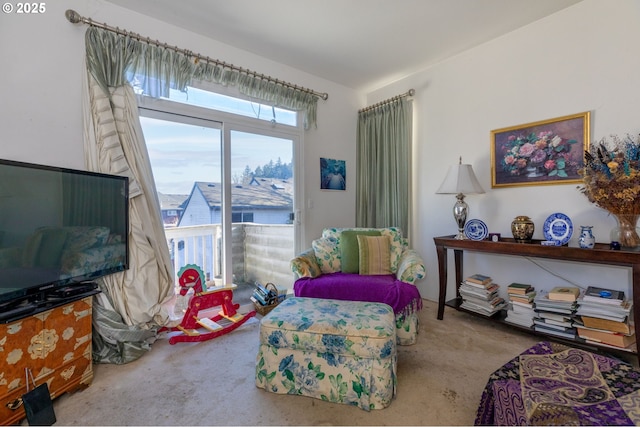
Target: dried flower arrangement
611 177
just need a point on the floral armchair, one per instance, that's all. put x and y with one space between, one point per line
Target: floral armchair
364 264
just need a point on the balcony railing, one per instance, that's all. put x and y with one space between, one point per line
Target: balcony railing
260 252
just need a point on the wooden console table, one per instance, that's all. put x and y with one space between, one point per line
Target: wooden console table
600 254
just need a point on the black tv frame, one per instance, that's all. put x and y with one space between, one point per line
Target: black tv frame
43 296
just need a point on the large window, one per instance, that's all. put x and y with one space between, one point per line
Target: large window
229 104
226 166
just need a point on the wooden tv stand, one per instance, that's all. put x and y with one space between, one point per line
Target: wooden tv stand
55 344
600 254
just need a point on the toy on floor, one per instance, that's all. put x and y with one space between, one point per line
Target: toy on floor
228 319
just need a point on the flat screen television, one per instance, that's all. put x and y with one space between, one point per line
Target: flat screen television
58 228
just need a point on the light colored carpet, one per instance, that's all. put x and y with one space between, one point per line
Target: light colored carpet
440 380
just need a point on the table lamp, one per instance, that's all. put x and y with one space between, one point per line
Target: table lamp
460 179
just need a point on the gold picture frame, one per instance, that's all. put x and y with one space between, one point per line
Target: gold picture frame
540 153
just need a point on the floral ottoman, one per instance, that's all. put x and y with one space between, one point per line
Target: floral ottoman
338 351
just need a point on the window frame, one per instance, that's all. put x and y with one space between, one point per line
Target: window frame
161 108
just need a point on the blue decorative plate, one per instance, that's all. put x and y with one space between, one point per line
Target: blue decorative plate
475 229
558 228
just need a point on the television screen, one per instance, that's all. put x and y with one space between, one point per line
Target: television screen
59 227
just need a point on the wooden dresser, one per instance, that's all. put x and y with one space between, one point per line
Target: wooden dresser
55 344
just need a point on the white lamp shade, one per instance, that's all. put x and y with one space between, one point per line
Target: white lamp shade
460 179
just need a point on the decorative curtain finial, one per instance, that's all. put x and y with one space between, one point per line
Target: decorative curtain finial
73 16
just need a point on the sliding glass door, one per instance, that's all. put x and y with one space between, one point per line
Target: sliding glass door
226 190
185 155
261 208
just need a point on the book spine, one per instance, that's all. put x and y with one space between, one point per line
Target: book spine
259 298
262 290
478 282
608 325
475 285
519 288
618 340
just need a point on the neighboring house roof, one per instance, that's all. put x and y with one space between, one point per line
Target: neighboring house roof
172 201
285 185
254 196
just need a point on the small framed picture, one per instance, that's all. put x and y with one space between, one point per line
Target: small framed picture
539 153
333 174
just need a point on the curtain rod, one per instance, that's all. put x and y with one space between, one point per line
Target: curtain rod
75 18
410 92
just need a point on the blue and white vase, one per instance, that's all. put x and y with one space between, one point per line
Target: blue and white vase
587 241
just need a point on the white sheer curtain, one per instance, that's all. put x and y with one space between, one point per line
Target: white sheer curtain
114 144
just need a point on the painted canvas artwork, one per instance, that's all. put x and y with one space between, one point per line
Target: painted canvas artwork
333 174
544 152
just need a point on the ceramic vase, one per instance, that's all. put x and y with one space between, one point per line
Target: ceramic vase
522 229
533 172
586 240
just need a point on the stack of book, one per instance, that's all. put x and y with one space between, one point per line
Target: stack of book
480 295
605 318
555 312
520 311
263 296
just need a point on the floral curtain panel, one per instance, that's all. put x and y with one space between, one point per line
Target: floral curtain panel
384 166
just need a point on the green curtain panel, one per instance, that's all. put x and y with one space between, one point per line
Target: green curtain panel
384 166
158 69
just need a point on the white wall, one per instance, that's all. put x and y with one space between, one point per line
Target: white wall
580 59
41 104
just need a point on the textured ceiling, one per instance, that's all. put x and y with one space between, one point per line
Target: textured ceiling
360 44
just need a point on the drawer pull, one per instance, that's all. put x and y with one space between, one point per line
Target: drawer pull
15 404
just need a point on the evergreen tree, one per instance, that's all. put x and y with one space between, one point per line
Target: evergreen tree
268 170
278 170
247 175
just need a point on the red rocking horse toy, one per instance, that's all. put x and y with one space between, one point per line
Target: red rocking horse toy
228 319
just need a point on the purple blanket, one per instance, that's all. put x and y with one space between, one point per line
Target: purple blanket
402 297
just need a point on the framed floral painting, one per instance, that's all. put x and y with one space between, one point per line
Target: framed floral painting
540 153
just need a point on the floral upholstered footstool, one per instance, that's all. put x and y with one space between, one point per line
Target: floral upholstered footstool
338 351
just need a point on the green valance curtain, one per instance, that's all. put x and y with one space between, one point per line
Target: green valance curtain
384 165
158 68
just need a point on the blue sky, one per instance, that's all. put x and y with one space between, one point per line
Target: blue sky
182 154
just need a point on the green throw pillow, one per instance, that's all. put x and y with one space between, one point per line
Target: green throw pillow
349 249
